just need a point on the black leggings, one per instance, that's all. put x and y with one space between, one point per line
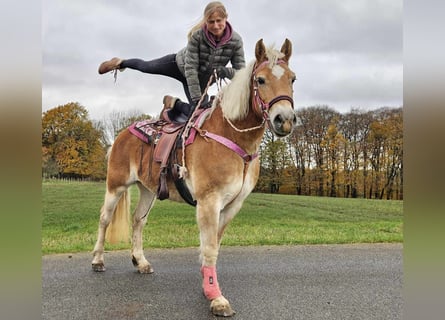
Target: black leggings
165 66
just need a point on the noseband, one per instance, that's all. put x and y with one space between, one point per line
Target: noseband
260 107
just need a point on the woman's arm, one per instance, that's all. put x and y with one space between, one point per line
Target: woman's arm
191 67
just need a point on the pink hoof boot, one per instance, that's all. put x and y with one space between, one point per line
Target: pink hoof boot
210 283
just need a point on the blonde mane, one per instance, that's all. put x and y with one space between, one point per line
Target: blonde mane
235 96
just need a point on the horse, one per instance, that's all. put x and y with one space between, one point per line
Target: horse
219 173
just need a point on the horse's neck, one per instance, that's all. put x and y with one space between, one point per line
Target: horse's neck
249 140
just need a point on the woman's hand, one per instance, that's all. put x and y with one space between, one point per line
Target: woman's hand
223 72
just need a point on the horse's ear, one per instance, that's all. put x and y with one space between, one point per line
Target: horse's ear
260 51
286 48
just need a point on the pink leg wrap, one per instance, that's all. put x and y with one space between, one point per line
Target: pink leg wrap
210 283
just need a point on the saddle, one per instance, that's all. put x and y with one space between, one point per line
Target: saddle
165 135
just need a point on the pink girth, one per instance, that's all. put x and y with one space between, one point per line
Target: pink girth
210 283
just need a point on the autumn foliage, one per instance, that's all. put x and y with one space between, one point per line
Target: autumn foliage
71 145
358 154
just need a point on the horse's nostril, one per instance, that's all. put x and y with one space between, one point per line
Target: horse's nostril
278 119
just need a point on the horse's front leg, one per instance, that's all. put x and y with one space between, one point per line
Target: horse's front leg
208 222
227 214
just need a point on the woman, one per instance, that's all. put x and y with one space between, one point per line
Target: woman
212 44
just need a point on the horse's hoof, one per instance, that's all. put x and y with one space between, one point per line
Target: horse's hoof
225 312
220 307
147 269
98 267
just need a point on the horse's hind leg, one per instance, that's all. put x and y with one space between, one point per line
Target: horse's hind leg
146 201
106 214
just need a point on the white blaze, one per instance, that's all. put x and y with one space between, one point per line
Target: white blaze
277 71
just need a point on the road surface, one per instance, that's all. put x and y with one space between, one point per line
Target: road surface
272 282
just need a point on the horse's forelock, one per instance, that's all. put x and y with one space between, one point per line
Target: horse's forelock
273 55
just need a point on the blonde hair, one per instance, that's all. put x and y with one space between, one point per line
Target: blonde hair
211 8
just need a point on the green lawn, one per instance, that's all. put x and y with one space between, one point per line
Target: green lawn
71 215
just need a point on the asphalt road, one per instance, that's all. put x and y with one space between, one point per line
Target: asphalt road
283 282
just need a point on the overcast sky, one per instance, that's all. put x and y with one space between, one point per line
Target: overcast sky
346 53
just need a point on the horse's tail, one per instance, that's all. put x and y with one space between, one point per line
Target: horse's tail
119 228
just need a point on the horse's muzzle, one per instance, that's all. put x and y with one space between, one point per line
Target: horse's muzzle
283 122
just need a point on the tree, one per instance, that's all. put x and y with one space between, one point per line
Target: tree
333 143
315 122
275 158
386 138
302 159
394 163
355 126
70 143
113 123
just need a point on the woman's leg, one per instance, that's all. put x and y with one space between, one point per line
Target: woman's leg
164 66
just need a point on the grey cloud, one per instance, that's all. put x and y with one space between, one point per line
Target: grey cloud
347 51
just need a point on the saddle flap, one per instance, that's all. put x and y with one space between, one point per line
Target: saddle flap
172 127
164 147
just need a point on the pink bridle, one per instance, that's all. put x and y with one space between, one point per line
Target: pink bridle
260 107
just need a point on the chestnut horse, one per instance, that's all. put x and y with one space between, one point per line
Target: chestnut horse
218 175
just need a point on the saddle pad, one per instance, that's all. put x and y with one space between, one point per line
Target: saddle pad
146 130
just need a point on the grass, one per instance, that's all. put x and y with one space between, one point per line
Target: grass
71 215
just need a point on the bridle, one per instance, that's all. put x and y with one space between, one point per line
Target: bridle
260 107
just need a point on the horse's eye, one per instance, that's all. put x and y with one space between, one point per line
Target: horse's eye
261 80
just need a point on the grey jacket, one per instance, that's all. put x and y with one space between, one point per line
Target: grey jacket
200 57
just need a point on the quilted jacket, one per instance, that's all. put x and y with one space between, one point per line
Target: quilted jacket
198 60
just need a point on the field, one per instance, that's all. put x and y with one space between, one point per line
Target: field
71 214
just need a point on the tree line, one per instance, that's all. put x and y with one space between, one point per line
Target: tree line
74 146
356 154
